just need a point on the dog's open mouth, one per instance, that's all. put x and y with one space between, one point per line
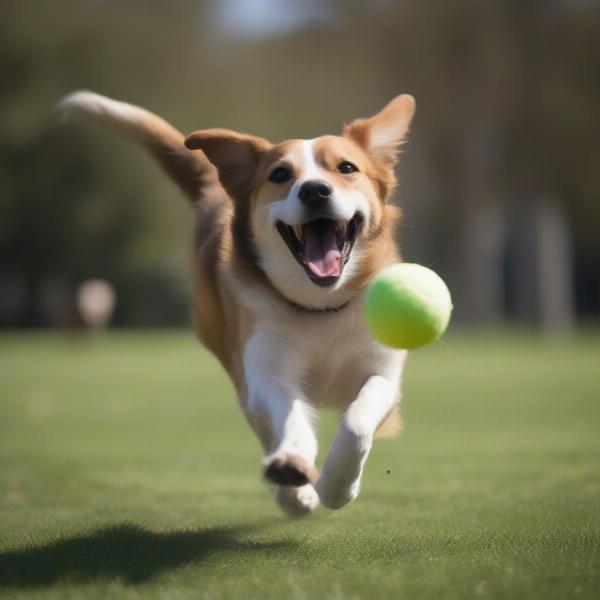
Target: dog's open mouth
322 246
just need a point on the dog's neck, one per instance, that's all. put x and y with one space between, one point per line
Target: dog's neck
308 310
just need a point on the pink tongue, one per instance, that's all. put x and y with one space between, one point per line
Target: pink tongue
321 252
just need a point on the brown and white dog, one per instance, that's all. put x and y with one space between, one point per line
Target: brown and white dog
287 236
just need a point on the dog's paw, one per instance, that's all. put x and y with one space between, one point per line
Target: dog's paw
297 501
286 468
335 494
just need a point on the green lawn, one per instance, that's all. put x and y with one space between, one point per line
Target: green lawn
127 471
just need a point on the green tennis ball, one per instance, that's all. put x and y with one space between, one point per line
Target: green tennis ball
407 306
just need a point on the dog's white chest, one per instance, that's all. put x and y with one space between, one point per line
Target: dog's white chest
330 356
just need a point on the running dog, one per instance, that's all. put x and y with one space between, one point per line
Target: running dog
287 237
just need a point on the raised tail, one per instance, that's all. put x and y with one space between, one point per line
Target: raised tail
190 169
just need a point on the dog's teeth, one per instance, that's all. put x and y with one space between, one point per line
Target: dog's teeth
298 231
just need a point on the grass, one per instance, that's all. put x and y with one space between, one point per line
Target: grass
126 471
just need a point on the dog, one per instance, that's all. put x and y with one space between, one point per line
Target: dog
287 237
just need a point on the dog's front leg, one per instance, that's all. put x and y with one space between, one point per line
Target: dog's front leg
340 477
276 408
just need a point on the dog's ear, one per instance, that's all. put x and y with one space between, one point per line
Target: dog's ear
381 134
236 156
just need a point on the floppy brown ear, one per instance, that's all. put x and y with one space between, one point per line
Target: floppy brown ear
236 156
381 134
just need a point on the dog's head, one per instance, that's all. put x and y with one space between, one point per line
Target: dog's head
314 213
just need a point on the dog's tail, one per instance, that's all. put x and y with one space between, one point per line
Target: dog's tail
190 169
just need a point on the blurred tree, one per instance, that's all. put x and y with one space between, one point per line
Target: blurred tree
507 94
63 219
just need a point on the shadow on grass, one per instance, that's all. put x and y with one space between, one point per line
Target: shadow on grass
127 553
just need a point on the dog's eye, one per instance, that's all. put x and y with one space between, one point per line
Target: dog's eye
280 175
345 168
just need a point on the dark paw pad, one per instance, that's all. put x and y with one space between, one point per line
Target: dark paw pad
290 470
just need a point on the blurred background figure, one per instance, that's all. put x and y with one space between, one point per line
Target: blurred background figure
499 180
96 303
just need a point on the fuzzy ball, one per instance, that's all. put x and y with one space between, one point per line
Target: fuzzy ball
407 306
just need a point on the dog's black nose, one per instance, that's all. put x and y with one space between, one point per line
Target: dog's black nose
315 193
